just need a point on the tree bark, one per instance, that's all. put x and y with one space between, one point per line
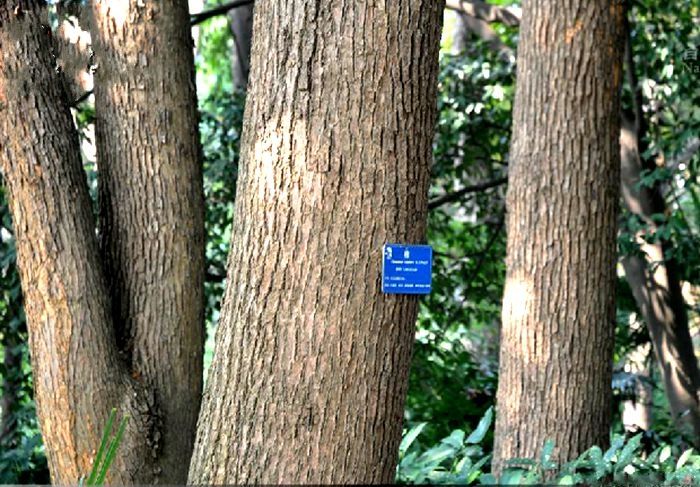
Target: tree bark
559 300
241 23
311 364
656 287
152 209
78 375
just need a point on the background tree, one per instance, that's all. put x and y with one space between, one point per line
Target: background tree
651 268
558 305
311 365
241 24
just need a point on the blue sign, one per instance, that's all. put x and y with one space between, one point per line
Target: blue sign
407 269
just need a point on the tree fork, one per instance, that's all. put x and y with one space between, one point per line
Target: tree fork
78 374
151 204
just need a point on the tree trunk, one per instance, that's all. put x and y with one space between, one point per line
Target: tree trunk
152 210
656 287
78 375
311 364
559 300
638 411
240 20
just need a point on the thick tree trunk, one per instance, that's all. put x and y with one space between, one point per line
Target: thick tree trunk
78 375
559 306
152 210
311 364
656 288
241 23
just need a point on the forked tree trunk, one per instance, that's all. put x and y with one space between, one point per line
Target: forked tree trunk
152 210
78 375
559 301
310 371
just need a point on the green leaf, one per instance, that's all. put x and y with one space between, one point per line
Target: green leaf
437 454
482 428
455 440
665 454
512 477
601 465
627 454
475 470
567 480
488 479
617 443
410 437
684 458
546 457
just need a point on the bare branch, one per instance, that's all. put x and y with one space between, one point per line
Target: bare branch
474 8
485 11
483 30
81 99
457 195
220 10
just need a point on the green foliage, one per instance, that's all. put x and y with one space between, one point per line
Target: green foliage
213 55
662 36
107 451
220 127
460 459
221 111
456 459
453 376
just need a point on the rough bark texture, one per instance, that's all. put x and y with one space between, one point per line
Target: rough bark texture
559 306
241 22
78 376
151 208
655 284
311 363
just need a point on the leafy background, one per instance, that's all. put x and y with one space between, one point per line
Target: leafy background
454 372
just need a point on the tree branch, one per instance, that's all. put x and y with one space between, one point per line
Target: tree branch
484 11
81 99
457 195
474 8
220 10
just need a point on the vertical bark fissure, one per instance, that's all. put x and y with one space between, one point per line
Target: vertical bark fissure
558 306
311 362
152 211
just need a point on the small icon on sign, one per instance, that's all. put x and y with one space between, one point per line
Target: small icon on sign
406 254
388 253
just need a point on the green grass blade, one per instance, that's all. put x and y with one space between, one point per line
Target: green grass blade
112 451
100 451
